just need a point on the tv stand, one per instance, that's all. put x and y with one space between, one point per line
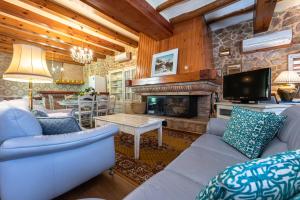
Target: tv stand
224 109
247 102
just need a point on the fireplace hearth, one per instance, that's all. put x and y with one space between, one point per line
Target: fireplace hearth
172 106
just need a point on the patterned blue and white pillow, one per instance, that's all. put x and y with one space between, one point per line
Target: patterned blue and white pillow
250 131
296 197
275 177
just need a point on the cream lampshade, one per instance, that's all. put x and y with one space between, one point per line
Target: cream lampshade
288 90
288 77
28 65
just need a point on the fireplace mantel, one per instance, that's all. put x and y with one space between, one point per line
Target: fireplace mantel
202 75
187 88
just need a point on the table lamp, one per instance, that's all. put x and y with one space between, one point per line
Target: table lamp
287 91
28 65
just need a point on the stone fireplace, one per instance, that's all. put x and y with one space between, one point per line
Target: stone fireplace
185 105
198 93
172 106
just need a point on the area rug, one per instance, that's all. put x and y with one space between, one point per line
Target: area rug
152 158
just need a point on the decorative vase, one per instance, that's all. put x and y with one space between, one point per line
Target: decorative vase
287 93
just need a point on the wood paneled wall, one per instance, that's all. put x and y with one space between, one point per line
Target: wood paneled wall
190 37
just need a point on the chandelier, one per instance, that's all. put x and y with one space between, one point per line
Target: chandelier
82 55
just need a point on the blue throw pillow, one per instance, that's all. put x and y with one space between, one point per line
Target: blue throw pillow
58 125
39 113
275 177
250 131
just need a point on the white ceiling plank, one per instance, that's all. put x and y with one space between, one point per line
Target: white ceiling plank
184 7
229 9
89 12
155 3
231 21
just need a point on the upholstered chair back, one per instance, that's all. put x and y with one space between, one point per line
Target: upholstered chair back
16 122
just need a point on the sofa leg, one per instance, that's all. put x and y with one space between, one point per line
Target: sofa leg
111 171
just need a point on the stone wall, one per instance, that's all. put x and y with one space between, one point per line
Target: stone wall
16 89
231 37
103 66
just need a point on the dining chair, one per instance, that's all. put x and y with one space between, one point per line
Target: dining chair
102 105
85 110
40 102
69 98
111 104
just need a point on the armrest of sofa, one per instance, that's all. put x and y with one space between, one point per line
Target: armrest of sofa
58 125
45 144
217 126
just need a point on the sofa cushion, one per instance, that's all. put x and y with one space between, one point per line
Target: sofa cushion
168 186
274 147
289 133
217 126
250 131
200 164
274 177
216 144
17 122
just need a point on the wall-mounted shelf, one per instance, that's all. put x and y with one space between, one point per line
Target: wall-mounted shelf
70 82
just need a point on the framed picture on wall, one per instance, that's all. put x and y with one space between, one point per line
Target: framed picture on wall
165 63
294 63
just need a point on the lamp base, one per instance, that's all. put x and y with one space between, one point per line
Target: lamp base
30 96
287 93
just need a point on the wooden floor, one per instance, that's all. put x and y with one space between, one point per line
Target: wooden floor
103 186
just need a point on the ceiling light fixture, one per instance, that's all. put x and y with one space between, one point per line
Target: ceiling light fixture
81 54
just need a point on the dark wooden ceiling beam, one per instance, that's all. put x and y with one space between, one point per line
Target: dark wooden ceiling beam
136 14
41 31
264 10
201 11
57 26
167 4
233 14
70 15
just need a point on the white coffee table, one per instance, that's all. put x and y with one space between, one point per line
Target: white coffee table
135 125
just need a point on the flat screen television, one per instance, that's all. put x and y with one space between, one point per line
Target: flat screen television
248 86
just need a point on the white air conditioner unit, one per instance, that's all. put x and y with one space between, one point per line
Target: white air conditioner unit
123 57
268 40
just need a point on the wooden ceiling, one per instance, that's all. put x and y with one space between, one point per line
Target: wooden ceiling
218 13
108 26
136 14
56 28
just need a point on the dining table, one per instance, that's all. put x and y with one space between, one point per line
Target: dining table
73 102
